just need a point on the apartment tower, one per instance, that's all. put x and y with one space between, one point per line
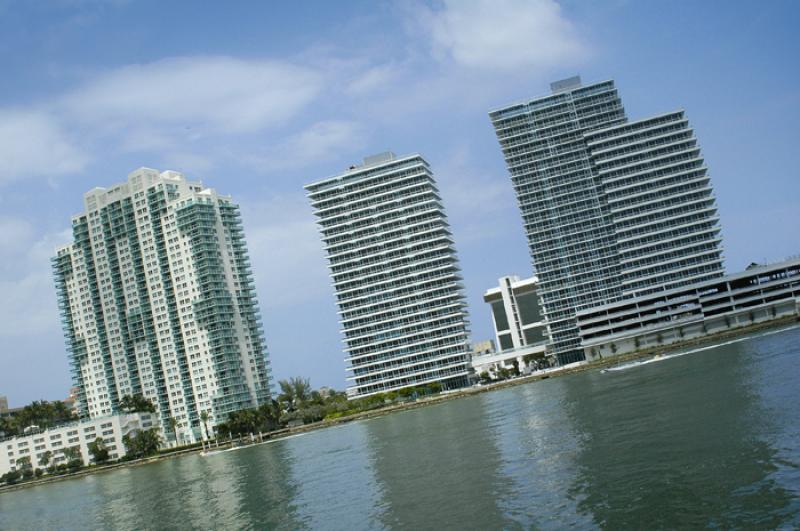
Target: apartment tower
157 299
612 209
396 276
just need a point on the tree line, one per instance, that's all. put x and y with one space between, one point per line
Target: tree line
39 413
297 404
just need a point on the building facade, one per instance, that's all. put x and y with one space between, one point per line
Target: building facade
43 448
759 294
519 327
516 313
657 191
157 299
612 209
397 280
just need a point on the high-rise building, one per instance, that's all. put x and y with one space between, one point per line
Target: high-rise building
612 209
396 275
157 299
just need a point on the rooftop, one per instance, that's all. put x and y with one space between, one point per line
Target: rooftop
369 163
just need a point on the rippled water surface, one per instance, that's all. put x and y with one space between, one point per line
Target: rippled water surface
709 439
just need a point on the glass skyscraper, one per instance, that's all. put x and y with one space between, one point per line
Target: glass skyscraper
397 280
611 208
157 299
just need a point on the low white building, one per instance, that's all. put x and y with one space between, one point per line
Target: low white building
516 313
524 359
519 326
759 294
74 435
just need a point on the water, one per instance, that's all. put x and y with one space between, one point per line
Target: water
707 439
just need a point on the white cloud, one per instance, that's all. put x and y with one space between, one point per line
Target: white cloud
286 251
373 79
190 163
221 93
323 139
15 235
320 142
33 144
474 199
502 34
29 300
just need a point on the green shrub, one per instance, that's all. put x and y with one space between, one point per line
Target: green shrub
434 387
10 478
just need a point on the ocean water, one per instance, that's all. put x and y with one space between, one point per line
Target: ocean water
708 438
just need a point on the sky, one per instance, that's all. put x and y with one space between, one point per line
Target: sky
256 99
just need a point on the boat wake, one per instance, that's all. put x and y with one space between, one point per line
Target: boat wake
217 452
663 357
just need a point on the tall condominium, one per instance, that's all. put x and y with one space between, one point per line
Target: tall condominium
396 276
157 298
612 209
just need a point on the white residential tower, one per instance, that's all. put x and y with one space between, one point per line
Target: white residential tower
157 299
396 276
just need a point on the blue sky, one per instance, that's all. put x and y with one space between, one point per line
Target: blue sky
257 99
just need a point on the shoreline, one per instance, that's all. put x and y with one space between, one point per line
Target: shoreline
786 323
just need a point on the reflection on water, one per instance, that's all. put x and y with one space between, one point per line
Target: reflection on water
674 450
226 490
438 468
707 439
335 478
538 452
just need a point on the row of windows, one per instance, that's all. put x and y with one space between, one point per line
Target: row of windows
346 185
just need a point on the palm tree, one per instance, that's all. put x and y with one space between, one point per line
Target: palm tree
74 457
204 416
136 403
98 450
302 389
142 443
295 392
286 398
45 459
270 415
173 425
